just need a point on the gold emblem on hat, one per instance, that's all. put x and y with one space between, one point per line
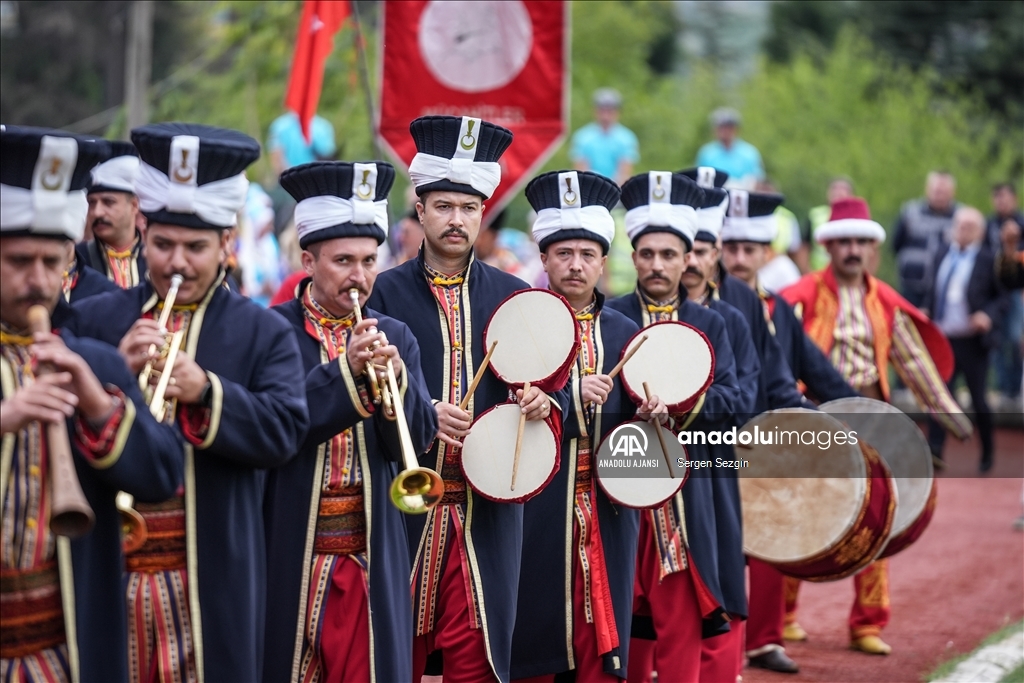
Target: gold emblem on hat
468 140
570 195
659 191
53 179
363 190
183 173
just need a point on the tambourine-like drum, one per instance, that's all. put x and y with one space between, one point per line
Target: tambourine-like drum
488 455
816 507
903 447
538 339
677 363
633 451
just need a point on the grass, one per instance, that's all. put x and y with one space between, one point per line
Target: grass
1015 676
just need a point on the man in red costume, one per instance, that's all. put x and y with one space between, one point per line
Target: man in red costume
863 325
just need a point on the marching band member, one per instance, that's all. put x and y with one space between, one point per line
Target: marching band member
196 588
116 249
338 559
745 248
862 325
467 549
62 602
571 529
722 654
678 593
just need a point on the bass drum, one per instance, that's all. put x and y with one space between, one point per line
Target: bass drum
814 513
488 455
903 447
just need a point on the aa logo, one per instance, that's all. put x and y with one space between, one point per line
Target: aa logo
628 440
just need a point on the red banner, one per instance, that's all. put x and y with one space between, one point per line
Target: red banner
320 20
503 61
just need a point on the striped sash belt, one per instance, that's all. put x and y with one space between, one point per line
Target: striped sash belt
30 610
164 549
341 522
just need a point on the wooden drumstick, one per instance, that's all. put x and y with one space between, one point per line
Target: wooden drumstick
629 354
661 437
464 403
519 440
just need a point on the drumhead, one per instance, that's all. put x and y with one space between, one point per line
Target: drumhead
650 487
537 337
676 361
797 499
489 449
900 443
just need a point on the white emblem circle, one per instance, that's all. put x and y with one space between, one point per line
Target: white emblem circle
475 46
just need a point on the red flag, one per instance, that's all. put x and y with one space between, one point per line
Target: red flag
505 61
321 19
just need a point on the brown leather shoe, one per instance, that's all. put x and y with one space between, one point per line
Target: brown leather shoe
873 645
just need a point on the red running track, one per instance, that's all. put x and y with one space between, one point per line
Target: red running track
962 580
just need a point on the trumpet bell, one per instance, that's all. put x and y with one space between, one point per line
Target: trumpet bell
133 530
417 490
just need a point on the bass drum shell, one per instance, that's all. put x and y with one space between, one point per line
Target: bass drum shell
905 450
488 454
814 514
677 363
648 491
537 339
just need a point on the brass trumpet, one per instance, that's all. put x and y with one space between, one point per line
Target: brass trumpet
416 489
133 524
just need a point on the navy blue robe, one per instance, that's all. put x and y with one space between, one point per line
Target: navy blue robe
94 255
728 509
496 529
258 420
722 401
542 638
776 386
89 283
805 359
149 466
293 494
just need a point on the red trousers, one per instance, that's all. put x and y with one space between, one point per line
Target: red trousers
870 611
721 657
767 608
462 646
589 663
345 639
672 604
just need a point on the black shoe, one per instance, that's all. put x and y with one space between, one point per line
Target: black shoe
986 463
775 660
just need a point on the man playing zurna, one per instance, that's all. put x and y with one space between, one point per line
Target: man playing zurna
678 596
467 549
338 604
571 529
862 325
62 601
197 583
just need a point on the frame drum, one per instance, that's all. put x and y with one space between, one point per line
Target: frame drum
488 453
538 338
656 486
676 361
819 514
905 450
